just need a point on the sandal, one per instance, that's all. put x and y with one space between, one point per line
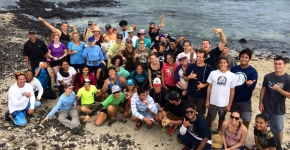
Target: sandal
149 127
138 127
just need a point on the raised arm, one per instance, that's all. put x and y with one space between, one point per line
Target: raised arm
52 28
223 39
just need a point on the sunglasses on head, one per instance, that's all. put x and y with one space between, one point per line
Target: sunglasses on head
64 23
236 118
190 111
142 33
20 73
129 42
116 92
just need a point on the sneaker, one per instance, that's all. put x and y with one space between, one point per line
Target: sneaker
170 129
186 148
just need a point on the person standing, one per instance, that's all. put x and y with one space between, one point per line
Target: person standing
75 50
275 89
88 31
114 48
231 59
247 77
141 54
34 50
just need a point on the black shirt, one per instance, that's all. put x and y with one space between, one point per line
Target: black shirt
154 34
268 140
179 50
36 50
158 98
212 57
154 73
176 110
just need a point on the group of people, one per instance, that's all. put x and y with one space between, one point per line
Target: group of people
152 80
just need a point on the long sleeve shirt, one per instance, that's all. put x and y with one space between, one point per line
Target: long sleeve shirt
64 103
17 100
138 105
36 85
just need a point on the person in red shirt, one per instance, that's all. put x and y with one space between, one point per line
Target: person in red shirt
168 69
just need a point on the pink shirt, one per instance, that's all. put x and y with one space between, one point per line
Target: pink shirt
168 78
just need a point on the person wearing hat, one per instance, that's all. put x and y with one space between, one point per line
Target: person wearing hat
86 95
143 109
66 106
173 111
44 74
127 55
111 32
109 107
188 52
141 35
88 32
129 91
115 47
133 37
21 100
158 93
34 50
181 84
154 31
194 131
97 35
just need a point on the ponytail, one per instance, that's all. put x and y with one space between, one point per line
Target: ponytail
239 126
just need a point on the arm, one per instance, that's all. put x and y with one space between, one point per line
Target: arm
262 94
151 106
95 110
208 94
55 108
134 108
27 61
258 143
50 73
243 138
232 94
74 30
37 70
202 143
224 126
70 52
65 54
52 28
14 99
280 90
223 39
40 88
105 86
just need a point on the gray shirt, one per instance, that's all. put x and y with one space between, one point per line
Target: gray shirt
232 61
273 101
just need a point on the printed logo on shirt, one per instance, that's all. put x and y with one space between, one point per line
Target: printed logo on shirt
167 72
143 57
241 78
161 58
191 129
222 80
271 83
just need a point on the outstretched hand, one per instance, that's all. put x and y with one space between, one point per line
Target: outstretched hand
43 121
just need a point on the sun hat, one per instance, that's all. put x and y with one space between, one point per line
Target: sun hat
156 82
96 28
116 88
129 82
130 29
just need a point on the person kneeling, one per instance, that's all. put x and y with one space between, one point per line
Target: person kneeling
194 131
143 108
114 102
67 107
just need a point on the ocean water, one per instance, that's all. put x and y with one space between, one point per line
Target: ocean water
263 23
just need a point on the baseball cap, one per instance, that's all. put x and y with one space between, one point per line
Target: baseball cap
108 26
156 82
68 85
87 81
129 82
116 88
90 22
161 35
172 95
31 31
181 56
91 39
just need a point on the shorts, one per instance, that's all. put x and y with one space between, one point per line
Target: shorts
276 121
19 116
245 108
104 111
145 114
199 104
171 116
188 140
213 110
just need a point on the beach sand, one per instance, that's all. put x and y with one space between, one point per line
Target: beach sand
31 137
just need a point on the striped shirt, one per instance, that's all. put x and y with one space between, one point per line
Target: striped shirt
137 105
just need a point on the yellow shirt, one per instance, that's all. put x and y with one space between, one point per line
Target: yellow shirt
87 97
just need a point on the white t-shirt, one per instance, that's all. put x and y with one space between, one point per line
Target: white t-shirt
187 55
106 46
181 79
68 79
36 85
221 85
134 39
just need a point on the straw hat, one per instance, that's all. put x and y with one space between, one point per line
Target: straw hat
130 29
96 28
217 141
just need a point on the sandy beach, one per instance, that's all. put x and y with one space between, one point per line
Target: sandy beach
52 134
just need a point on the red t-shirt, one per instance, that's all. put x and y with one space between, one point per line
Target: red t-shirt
168 78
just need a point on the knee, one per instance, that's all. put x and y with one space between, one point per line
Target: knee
83 108
126 114
21 122
37 104
111 108
98 123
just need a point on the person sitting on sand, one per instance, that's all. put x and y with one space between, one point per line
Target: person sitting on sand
173 111
21 100
158 93
143 109
140 76
109 107
44 74
65 75
66 105
36 85
129 91
265 138
63 32
234 133
34 54
75 50
86 95
113 79
81 76
194 131
117 62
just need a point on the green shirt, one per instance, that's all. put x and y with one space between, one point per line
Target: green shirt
87 97
113 50
111 100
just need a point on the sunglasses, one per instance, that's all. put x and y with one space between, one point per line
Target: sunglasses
236 118
191 111
20 73
142 33
90 24
120 38
129 42
116 92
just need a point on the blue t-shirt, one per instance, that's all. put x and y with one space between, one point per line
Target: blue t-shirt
43 78
94 55
140 79
202 75
243 93
199 127
77 58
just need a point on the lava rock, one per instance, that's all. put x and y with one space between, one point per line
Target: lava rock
243 41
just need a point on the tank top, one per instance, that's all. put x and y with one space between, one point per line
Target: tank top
64 38
232 138
117 83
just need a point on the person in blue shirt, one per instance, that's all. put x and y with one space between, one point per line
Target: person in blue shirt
247 77
67 107
140 76
75 50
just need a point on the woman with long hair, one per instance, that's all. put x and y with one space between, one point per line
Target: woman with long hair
66 74
97 35
129 91
83 74
117 62
168 69
105 46
154 69
75 50
140 76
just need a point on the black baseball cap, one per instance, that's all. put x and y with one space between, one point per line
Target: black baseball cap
108 26
172 95
31 31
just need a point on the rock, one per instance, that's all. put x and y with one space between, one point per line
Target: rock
128 135
284 52
243 41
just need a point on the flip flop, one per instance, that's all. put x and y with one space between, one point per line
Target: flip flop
138 127
149 127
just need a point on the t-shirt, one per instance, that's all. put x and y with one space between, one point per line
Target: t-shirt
177 110
178 51
112 36
142 55
140 79
77 58
87 97
57 51
106 46
36 50
159 97
221 85
111 100
268 140
232 61
124 35
168 78
154 73
198 128
68 79
243 93
187 55
273 101
160 56
202 76
212 57
179 76
113 51
146 41
153 35
43 78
